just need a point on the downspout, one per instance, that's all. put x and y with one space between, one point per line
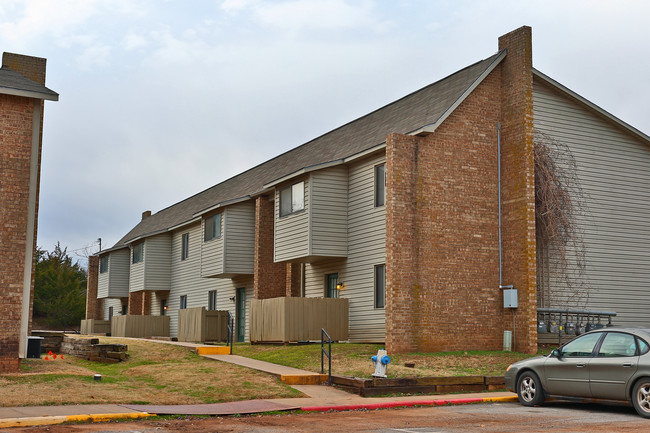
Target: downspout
501 286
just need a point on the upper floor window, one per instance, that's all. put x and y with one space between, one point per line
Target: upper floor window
138 252
380 286
103 264
380 185
212 228
185 246
292 199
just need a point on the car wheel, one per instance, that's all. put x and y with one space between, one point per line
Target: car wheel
641 397
529 389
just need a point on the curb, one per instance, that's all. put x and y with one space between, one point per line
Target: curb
49 420
393 404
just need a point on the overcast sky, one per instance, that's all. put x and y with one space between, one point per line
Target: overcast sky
162 99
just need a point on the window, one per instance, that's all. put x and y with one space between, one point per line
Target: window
212 228
380 185
617 344
138 252
331 280
110 312
185 246
125 309
103 264
380 286
212 300
183 302
292 199
163 307
582 346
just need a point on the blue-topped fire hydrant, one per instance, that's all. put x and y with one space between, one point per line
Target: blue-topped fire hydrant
381 361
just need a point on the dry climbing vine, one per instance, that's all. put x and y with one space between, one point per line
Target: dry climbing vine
559 204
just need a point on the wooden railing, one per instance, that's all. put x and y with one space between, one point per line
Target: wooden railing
298 319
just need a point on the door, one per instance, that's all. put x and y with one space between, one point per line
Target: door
611 369
241 314
568 373
330 285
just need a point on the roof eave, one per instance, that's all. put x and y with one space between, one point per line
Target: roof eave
29 94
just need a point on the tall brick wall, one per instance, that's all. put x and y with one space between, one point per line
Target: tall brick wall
269 277
15 158
442 232
94 306
442 250
518 184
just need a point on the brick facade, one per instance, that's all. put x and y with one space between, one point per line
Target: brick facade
16 124
269 277
442 250
518 184
294 276
94 306
140 303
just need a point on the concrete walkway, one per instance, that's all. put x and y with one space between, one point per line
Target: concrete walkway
318 398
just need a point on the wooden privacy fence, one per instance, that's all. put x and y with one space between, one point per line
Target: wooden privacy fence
94 326
298 319
140 326
201 325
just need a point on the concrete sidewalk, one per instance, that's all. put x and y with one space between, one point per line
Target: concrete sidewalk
319 398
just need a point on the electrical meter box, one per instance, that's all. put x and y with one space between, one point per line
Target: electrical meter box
510 298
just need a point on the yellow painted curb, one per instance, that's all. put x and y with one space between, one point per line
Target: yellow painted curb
303 379
512 398
32 421
213 350
100 417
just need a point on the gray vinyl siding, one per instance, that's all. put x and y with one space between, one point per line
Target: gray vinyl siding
613 168
234 252
366 248
136 271
239 236
328 212
366 233
211 252
186 280
115 282
157 262
115 303
291 232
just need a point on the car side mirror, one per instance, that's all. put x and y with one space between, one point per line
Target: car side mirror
557 353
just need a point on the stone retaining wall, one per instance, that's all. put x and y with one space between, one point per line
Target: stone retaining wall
90 349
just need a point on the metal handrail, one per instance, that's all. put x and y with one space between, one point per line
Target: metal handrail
231 328
324 333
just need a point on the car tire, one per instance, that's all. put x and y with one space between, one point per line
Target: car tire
641 397
529 389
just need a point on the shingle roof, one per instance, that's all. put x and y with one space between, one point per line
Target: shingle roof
13 83
421 108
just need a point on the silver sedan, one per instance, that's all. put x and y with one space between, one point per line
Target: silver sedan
607 364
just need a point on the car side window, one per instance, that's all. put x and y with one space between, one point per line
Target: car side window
581 346
617 344
643 346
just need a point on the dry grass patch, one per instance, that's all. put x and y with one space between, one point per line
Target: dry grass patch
155 373
354 360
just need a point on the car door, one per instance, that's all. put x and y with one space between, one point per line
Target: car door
568 373
614 364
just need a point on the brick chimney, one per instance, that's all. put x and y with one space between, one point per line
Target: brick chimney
146 214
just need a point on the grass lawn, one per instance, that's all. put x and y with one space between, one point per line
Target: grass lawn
154 374
354 360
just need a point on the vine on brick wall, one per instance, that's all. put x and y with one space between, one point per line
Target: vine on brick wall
559 203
